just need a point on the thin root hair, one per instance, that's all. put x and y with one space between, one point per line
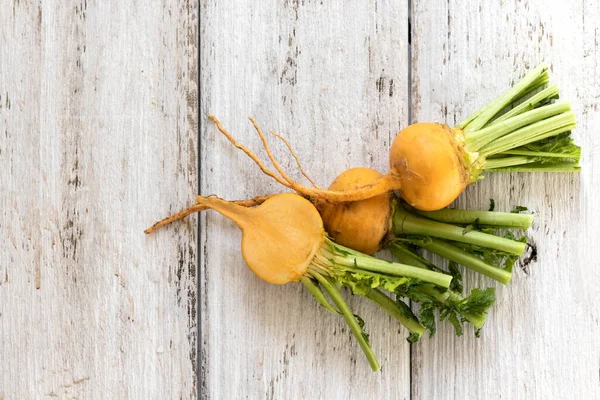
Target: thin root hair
255 201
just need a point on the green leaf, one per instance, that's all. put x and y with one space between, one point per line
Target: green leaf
476 226
457 283
479 302
510 235
404 309
408 253
498 258
511 259
470 227
509 262
362 282
338 250
361 323
413 338
556 150
410 289
418 240
427 317
492 205
414 294
341 252
489 230
561 144
390 284
518 209
453 318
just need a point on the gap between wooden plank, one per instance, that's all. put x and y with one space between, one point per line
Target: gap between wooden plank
410 121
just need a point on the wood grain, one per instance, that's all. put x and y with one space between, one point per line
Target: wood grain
541 340
98 139
333 78
98 111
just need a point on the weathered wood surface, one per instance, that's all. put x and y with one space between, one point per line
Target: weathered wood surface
98 108
98 138
333 78
542 338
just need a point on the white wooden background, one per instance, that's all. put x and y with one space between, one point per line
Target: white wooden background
98 123
99 134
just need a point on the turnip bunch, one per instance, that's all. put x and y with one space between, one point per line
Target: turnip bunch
323 238
284 240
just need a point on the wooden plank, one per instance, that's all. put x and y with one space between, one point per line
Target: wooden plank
98 139
541 341
332 77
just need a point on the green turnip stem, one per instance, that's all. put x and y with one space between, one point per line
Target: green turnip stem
408 321
432 292
491 164
338 300
345 249
531 164
408 257
481 117
506 139
470 261
561 123
406 223
368 263
315 290
538 167
366 273
448 297
453 296
320 269
491 218
563 157
477 320
538 83
536 154
475 140
548 93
